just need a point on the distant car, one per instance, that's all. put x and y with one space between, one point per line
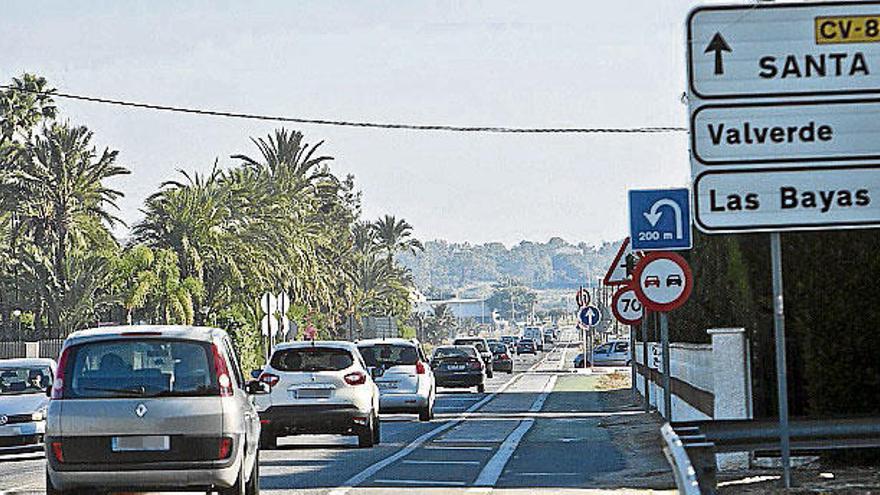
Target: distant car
526 346
549 337
483 347
319 387
459 366
613 353
402 373
535 334
673 280
23 402
144 408
511 341
652 281
501 358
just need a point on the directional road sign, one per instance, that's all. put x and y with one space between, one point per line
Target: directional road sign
762 160
626 306
660 219
662 281
590 316
763 51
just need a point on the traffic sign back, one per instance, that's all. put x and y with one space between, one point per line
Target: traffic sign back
660 219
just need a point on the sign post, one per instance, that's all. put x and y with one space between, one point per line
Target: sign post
663 282
764 161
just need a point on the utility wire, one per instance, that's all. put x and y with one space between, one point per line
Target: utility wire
372 125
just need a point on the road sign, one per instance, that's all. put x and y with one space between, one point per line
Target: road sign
762 51
269 325
775 199
626 306
762 161
786 132
268 303
582 297
590 316
282 303
662 281
660 219
617 274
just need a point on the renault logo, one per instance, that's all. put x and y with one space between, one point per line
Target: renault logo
3 419
140 410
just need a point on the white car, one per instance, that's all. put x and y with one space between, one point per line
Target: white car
403 374
23 402
318 387
612 353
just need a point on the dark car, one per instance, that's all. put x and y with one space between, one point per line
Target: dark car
458 366
526 346
511 341
482 347
501 358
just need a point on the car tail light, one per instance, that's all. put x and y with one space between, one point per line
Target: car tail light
420 368
224 448
269 379
222 372
57 452
476 364
356 378
505 357
58 383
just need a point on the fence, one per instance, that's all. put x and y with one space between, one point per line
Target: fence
47 348
708 381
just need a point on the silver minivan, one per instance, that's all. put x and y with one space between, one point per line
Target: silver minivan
151 408
403 374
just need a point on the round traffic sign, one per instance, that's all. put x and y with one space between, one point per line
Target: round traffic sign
583 297
626 306
590 316
662 281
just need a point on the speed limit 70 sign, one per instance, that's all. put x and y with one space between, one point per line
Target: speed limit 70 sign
626 306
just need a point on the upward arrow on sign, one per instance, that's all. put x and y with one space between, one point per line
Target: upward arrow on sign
718 45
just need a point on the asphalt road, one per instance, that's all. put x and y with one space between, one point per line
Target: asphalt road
518 434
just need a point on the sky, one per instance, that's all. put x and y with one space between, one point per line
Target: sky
477 62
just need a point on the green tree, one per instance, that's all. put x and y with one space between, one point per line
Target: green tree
395 236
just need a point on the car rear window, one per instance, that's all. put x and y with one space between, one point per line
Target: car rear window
387 355
140 368
25 380
312 359
451 352
499 349
479 344
622 347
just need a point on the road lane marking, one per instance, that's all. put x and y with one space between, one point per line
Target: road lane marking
462 463
420 482
488 477
370 471
459 447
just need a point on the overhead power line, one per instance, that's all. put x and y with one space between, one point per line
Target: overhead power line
371 125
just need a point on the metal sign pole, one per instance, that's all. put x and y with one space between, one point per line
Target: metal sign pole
667 372
644 327
781 379
632 361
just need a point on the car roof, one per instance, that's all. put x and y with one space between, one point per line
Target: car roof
188 332
299 344
27 362
393 340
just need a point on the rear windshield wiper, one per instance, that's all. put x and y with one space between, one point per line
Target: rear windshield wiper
139 392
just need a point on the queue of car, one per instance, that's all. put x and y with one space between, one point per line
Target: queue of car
169 407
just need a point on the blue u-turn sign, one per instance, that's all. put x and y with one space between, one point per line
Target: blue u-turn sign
660 219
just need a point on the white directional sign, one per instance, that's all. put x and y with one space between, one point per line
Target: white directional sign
748 50
762 160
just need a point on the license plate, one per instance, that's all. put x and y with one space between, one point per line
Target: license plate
140 443
457 367
386 385
311 393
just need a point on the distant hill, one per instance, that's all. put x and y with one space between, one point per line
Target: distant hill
448 266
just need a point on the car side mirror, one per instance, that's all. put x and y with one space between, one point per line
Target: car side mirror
255 374
256 387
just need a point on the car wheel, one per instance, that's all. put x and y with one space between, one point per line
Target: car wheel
268 440
490 374
238 487
367 435
481 388
425 413
510 371
377 431
50 488
253 485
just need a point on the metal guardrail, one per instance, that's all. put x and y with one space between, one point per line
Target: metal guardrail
690 447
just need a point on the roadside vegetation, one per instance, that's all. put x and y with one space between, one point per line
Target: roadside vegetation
274 217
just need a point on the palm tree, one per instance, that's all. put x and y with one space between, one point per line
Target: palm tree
395 236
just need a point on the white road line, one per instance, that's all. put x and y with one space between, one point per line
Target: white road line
493 469
459 447
482 440
547 474
462 463
378 466
420 482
